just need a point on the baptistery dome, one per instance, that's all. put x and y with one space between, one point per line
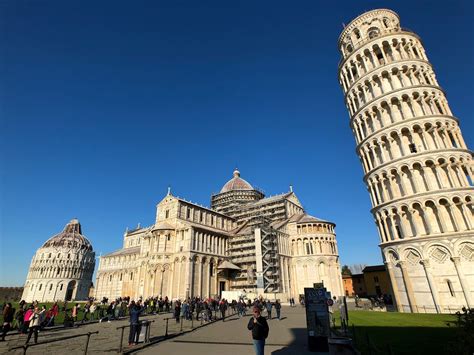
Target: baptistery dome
62 267
70 237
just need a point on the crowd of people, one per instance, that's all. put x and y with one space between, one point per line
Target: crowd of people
29 319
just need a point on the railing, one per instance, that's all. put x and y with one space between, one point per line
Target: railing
27 346
143 323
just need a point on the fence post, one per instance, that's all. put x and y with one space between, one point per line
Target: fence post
121 340
368 343
25 348
181 328
87 343
354 333
166 332
192 322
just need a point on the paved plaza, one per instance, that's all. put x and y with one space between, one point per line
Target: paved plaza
287 336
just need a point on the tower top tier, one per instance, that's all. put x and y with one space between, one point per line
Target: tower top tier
367 26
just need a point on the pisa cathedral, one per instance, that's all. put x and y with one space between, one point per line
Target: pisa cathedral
263 246
418 169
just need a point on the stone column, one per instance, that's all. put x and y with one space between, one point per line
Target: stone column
431 283
393 283
199 279
408 287
463 281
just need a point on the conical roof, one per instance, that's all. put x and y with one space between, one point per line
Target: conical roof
71 238
236 183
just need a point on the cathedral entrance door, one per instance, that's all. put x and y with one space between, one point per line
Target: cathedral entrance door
221 287
70 289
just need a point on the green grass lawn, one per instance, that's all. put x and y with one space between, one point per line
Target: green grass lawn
60 317
401 333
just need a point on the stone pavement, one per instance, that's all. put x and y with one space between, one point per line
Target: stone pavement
107 340
287 336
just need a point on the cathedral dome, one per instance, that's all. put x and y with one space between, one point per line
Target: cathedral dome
71 238
236 183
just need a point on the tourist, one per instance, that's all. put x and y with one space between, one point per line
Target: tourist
269 305
75 311
92 309
8 313
135 311
223 308
259 327
26 319
53 314
18 321
278 308
177 311
35 321
86 312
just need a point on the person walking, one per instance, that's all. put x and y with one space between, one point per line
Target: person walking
8 313
177 311
74 312
269 305
35 320
92 310
26 319
259 327
223 308
278 308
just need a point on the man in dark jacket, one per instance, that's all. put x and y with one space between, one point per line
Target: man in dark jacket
259 327
135 310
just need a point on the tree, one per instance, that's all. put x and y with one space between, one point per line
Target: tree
346 270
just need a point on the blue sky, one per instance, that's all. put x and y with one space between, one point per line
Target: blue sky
105 104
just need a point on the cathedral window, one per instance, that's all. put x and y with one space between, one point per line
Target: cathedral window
168 237
131 276
167 214
110 278
50 287
120 277
39 289
188 213
61 287
450 287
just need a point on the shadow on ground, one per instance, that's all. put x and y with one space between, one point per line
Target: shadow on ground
387 340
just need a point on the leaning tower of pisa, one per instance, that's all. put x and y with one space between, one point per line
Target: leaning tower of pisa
417 168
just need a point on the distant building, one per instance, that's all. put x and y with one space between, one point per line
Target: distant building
245 242
61 270
358 285
348 285
377 280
